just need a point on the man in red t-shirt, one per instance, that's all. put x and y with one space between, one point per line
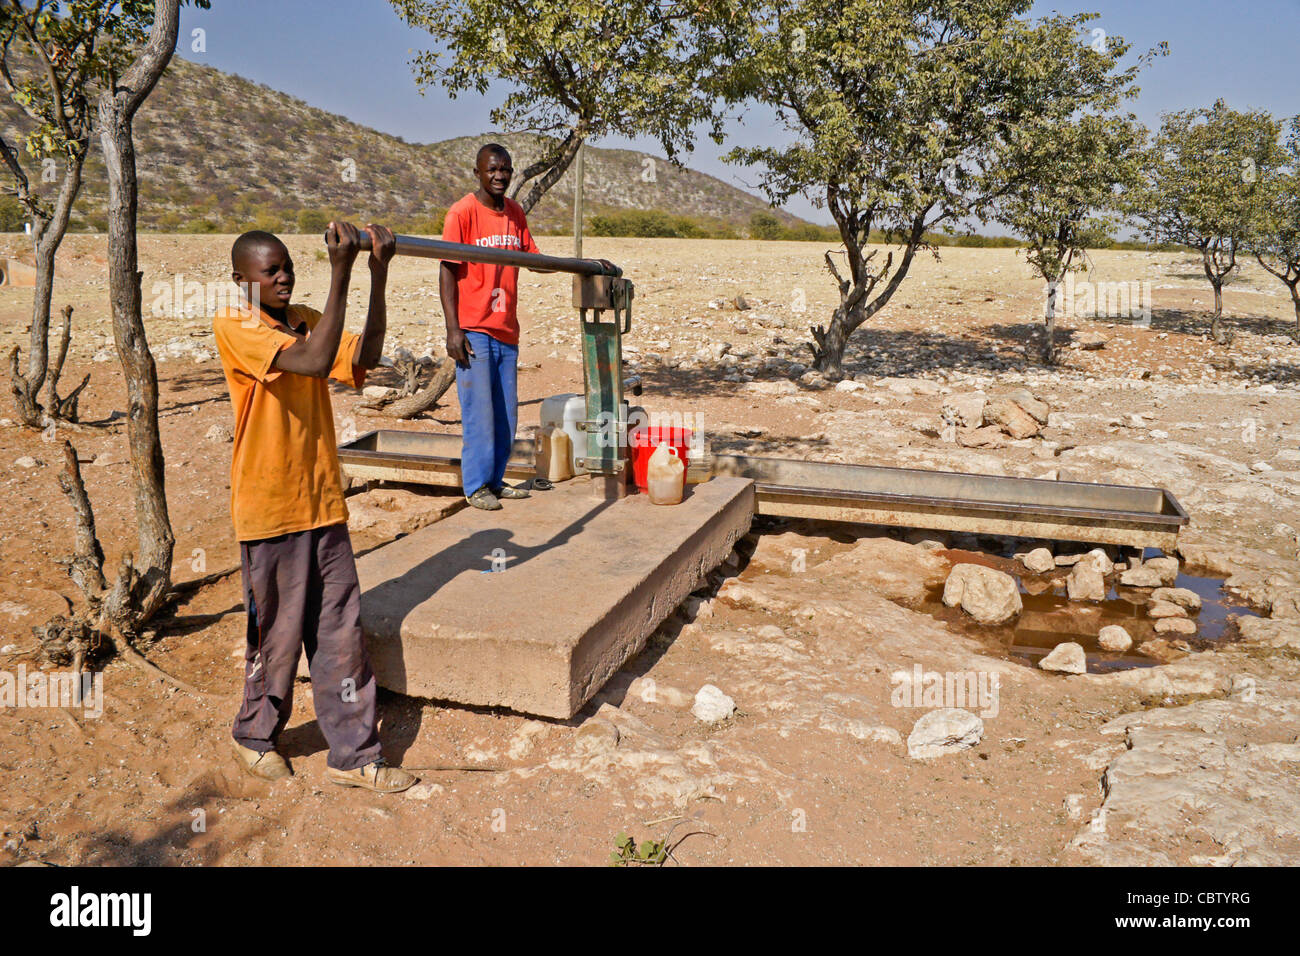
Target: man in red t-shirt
480 303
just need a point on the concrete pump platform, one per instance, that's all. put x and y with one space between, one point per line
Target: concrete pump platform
580 584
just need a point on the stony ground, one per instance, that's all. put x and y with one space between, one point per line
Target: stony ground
1193 761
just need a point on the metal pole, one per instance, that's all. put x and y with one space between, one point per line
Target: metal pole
463 252
579 178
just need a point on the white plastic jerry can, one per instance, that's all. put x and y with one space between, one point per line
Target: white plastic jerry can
665 476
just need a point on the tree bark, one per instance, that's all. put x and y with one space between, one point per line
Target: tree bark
557 168
856 305
426 398
47 236
137 598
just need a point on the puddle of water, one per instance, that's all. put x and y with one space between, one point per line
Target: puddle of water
1050 618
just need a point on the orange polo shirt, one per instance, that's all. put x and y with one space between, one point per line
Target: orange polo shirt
284 469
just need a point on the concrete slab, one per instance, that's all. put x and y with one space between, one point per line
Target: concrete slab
581 585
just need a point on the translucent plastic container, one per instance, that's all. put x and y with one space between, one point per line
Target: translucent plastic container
554 454
565 412
666 476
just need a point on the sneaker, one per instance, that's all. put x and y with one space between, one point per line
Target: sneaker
377 776
505 491
264 766
483 498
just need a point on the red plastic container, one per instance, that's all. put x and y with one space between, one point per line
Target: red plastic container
644 440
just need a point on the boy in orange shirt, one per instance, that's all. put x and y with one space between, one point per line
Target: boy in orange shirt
300 580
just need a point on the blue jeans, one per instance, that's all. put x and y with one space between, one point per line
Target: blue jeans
489 408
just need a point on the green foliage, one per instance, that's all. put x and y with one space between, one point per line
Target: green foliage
13 216
900 114
1203 174
576 69
764 225
1274 237
1204 186
647 853
651 223
313 221
1080 168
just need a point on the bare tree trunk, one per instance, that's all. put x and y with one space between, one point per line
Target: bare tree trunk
65 408
1216 325
411 405
559 162
856 305
47 236
133 601
1295 301
1049 325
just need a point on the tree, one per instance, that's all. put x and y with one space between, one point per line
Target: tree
52 57
1275 238
1080 167
1202 186
577 69
764 225
143 578
899 113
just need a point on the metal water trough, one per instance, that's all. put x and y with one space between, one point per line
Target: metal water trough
1122 515
421 458
954 501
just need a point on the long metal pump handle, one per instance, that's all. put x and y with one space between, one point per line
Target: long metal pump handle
463 252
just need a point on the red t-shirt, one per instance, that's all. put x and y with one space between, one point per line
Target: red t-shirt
488 295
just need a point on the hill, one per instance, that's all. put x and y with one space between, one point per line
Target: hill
218 152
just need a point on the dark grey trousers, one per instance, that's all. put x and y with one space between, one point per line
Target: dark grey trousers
301 592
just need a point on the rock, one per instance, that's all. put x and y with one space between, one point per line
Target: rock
1037 409
1090 341
1112 637
965 410
1039 561
1166 567
1158 610
424 791
944 731
220 432
988 437
814 379
1183 597
596 736
903 573
1085 583
1163 650
1142 577
26 461
1013 419
741 303
1175 625
989 596
910 386
1099 559
1067 658
712 705
373 392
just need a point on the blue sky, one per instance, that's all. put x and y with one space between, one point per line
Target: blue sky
352 58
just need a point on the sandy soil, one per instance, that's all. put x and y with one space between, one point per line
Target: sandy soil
812 767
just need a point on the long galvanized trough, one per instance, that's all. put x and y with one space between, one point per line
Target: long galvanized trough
1122 515
955 501
421 458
